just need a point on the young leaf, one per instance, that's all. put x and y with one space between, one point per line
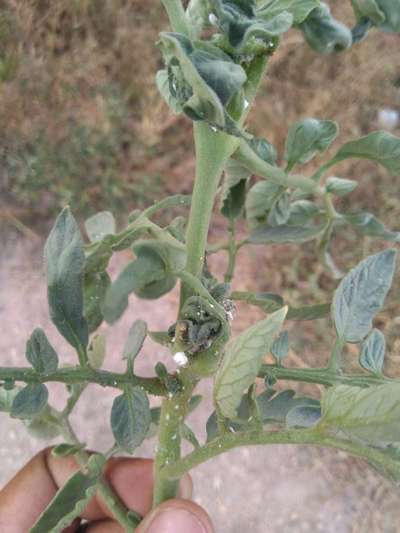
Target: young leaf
303 416
163 85
276 409
340 186
130 418
371 414
97 351
30 401
280 347
100 225
65 262
242 360
67 504
368 224
234 189
260 200
134 342
299 9
280 212
43 426
306 138
285 234
95 288
65 450
379 146
301 212
40 353
360 295
373 352
324 33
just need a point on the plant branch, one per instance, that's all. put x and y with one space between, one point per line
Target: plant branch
257 165
176 15
78 375
321 376
307 436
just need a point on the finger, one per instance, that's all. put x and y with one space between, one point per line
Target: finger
29 493
177 516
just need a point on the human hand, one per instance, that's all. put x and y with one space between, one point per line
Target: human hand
24 498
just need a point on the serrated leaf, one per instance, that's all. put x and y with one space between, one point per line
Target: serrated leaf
379 146
284 234
371 415
65 260
30 401
299 9
40 353
325 34
67 504
373 350
65 449
136 337
242 361
100 225
130 418
303 416
361 294
340 186
306 138
97 351
280 347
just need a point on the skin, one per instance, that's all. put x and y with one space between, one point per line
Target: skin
29 492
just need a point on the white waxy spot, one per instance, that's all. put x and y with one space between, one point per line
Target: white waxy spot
181 358
246 104
388 118
212 19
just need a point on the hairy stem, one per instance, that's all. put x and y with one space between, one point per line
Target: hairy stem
78 375
176 15
306 436
321 376
173 412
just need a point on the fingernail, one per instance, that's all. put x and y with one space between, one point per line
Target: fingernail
176 521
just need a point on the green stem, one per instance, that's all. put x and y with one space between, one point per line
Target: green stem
306 436
232 252
110 498
212 151
257 165
176 15
78 375
321 376
173 413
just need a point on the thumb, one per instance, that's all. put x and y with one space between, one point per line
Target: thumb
177 516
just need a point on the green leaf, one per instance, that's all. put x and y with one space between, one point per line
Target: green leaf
306 138
371 414
309 312
67 504
242 361
276 409
234 189
163 84
368 224
65 450
136 337
150 276
280 347
65 262
284 234
268 301
391 10
44 426
299 9
323 33
188 434
260 200
97 351
368 9
100 225
130 418
30 401
263 149
95 289
379 146
40 353
160 337
280 212
303 416
361 294
385 14
373 351
301 212
340 186
7 398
